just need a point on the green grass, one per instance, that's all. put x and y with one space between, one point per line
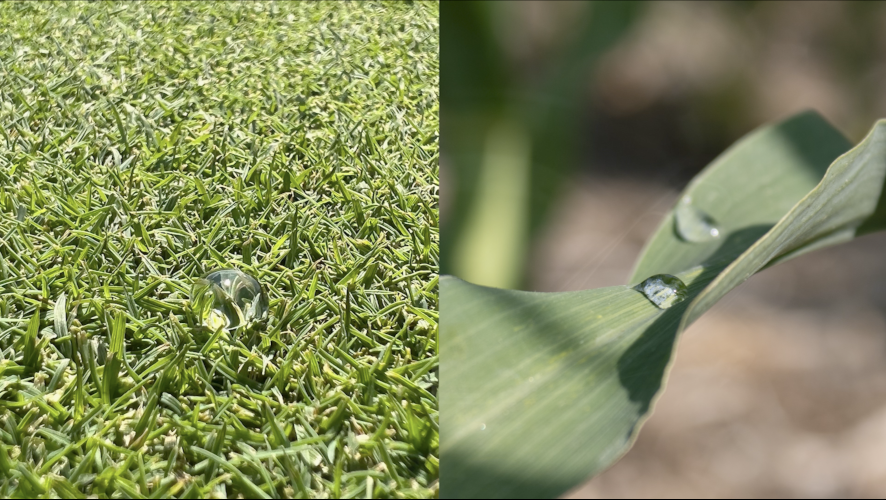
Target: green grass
142 145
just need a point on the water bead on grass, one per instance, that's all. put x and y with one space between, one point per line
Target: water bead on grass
228 298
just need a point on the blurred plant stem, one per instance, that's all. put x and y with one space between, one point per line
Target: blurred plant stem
492 249
507 134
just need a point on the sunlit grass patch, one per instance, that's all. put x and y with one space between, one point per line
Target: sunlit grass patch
143 145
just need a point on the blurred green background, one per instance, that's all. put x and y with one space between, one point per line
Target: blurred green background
533 92
567 131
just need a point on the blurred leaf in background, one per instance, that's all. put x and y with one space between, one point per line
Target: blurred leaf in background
509 126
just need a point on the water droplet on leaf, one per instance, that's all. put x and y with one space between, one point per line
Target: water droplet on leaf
228 298
693 225
663 290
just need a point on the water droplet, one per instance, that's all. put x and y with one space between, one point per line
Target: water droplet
663 290
228 298
693 225
483 427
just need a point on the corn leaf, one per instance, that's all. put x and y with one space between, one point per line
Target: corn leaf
542 390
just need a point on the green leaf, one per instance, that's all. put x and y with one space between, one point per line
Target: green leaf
542 390
116 353
747 190
59 317
120 127
31 358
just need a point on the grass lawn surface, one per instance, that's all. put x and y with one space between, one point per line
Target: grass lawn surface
143 145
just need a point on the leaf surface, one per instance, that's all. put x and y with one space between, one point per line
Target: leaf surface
542 390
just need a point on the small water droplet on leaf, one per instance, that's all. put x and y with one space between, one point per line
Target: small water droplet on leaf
663 290
693 225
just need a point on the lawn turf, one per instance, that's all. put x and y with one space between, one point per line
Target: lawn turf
144 144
